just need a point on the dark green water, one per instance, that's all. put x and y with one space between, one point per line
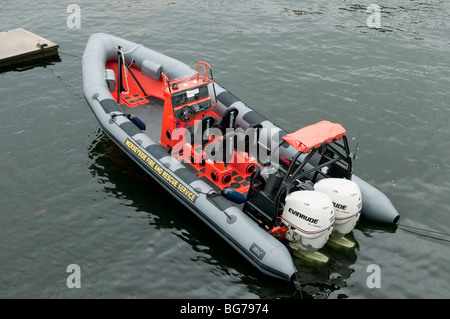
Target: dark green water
69 196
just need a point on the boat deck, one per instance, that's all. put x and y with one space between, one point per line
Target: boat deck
151 113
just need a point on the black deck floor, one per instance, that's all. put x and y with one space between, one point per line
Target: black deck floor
151 113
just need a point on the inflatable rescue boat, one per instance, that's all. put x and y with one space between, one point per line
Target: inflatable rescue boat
263 190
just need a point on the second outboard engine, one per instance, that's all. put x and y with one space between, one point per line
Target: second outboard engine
346 197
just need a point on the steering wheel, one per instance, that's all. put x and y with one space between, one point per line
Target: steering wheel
187 113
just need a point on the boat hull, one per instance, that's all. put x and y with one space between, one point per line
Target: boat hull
226 218
265 252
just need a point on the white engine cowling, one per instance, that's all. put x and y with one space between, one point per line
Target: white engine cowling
310 217
346 197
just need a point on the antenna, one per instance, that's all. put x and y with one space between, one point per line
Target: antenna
356 147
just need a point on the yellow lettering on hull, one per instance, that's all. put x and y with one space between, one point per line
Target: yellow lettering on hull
182 189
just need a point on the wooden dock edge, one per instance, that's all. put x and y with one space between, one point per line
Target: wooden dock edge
20 47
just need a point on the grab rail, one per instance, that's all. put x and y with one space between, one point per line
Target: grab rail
206 65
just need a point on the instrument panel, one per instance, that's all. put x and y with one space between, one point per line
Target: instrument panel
189 96
184 106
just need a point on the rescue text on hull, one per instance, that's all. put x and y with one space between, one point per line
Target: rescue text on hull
262 190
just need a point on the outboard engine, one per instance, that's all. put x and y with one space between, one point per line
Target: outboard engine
309 216
346 197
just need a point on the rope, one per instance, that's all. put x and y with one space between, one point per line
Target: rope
425 230
134 52
73 55
298 285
